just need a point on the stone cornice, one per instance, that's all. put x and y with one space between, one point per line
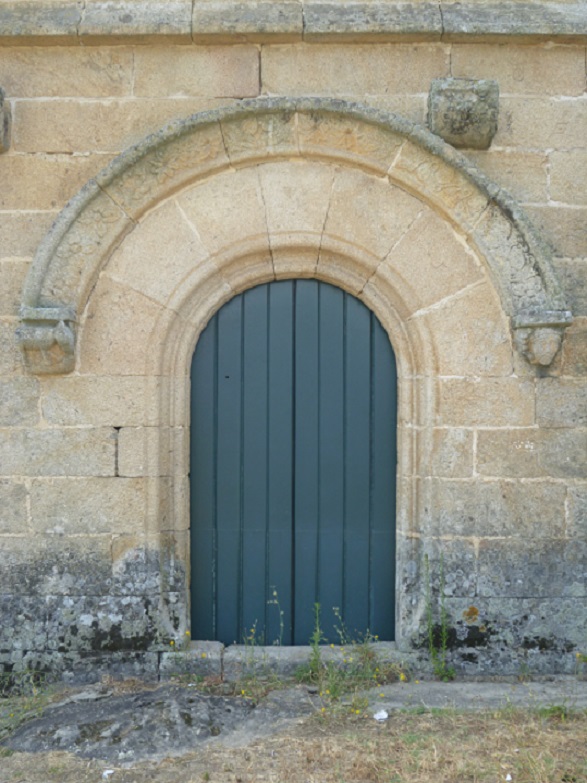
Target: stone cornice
229 21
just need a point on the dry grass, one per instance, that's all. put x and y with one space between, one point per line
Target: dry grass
441 746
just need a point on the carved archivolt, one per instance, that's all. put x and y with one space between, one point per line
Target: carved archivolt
94 222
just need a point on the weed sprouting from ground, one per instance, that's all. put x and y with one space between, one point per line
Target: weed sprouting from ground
437 647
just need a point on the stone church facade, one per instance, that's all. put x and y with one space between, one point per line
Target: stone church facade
159 158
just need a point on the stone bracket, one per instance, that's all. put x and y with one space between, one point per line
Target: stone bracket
538 335
5 122
464 112
47 338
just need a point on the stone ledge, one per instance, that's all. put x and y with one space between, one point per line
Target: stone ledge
227 21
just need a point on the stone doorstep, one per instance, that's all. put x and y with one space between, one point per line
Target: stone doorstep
212 659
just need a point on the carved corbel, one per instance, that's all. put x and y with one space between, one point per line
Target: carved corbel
539 336
47 338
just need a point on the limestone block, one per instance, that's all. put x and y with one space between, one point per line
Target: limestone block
55 565
257 135
346 266
5 122
163 235
136 565
116 340
351 69
21 232
563 227
121 401
213 72
523 70
575 348
368 213
433 255
561 402
289 262
177 162
470 335
568 174
464 112
532 453
13 514
450 453
19 402
572 276
523 174
47 22
31 182
529 568
503 509
577 512
11 359
57 452
371 21
36 72
424 173
485 402
250 21
200 659
87 506
152 451
210 209
99 125
128 22
296 195
12 274
22 611
368 146
411 107
541 123
459 566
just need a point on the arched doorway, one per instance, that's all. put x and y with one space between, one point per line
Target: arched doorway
293 462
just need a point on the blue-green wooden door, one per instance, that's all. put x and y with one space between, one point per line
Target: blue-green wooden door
293 464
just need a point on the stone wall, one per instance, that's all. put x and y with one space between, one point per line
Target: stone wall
94 526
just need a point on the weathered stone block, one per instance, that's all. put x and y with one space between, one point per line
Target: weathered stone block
506 509
46 22
13 513
464 112
259 135
5 122
371 21
450 453
561 402
21 232
541 123
200 659
89 72
87 506
151 451
524 70
19 402
568 173
57 452
532 453
321 69
247 21
131 22
574 357
12 275
521 173
577 512
492 402
368 213
451 561
53 565
531 568
11 359
118 401
219 72
104 126
572 276
31 182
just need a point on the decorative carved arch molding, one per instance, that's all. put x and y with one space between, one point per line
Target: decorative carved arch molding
391 149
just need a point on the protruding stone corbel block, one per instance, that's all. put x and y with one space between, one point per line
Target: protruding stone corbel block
5 122
464 112
47 338
539 336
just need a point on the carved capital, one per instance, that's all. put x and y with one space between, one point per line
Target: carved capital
464 112
47 338
539 335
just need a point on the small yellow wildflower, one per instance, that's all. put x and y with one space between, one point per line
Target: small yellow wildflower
204 655
187 633
323 709
402 677
417 682
171 642
242 693
357 712
381 695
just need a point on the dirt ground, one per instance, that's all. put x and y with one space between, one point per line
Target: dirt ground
442 732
